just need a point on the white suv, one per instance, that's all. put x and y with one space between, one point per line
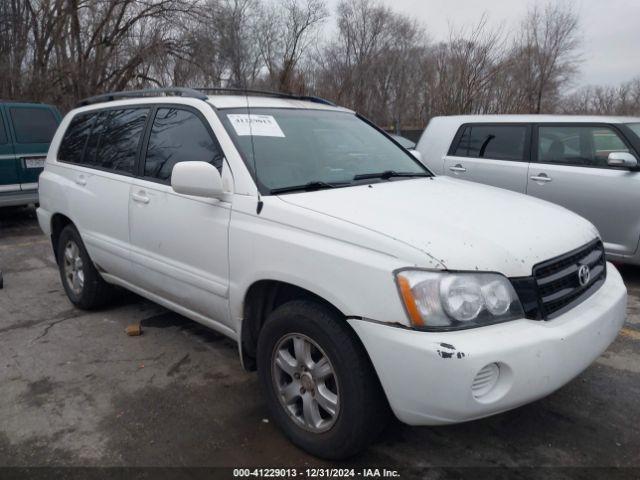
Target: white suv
352 278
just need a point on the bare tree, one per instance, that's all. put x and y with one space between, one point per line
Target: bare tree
74 48
287 30
237 24
465 70
363 38
604 100
378 62
15 21
372 64
402 70
545 56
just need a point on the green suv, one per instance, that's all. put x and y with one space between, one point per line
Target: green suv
26 129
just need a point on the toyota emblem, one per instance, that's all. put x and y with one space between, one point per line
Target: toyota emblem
584 275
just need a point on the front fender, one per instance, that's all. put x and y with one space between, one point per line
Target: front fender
352 275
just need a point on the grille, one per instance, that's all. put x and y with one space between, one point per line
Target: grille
558 283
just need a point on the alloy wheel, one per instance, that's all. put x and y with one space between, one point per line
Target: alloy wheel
305 382
73 267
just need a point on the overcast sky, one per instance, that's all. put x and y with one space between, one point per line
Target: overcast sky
610 29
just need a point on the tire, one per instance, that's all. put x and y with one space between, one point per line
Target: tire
361 411
81 281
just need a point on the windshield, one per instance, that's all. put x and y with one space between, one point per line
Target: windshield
314 148
635 127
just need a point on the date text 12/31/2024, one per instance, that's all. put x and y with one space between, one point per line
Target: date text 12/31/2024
315 473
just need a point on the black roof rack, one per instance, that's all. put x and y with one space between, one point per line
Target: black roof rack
198 93
151 92
267 93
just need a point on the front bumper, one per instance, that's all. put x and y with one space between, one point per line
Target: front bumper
427 376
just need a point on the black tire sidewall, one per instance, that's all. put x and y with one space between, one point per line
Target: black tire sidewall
345 353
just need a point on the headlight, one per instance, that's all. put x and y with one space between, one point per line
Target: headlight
443 300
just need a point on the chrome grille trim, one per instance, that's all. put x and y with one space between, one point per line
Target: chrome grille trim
557 279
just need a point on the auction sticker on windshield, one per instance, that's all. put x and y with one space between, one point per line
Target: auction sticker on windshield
256 125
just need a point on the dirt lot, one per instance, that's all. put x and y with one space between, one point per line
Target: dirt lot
75 390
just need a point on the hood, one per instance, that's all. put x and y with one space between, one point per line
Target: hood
459 224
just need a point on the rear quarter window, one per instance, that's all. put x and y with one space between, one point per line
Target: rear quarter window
75 138
33 125
104 139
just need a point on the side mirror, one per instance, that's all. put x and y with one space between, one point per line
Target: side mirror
200 179
622 159
416 154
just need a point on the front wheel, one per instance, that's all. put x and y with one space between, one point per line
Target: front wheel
320 386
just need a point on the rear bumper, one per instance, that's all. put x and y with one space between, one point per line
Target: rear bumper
428 376
17 198
44 220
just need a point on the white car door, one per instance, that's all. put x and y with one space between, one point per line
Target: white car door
493 154
572 171
103 146
179 243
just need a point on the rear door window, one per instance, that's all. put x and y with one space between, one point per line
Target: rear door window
497 142
98 127
179 135
115 139
33 125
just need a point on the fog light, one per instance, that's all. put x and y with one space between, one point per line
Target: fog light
485 380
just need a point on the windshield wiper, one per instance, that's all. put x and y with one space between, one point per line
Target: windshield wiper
387 174
317 185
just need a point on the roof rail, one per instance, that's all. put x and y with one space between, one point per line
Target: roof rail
267 93
151 92
198 93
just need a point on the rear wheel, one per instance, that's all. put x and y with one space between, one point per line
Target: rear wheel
82 282
320 386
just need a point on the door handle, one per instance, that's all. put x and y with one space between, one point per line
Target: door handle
458 168
543 177
81 180
140 198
